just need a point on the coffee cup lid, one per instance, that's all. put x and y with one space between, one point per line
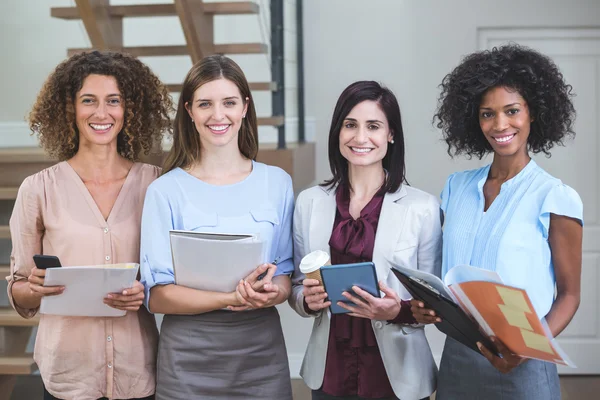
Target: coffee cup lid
313 261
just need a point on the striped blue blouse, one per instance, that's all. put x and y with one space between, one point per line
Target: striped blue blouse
511 238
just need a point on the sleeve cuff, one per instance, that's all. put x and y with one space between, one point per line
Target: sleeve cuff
285 268
158 278
405 315
26 313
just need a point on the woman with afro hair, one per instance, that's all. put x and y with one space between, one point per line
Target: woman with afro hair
96 113
510 217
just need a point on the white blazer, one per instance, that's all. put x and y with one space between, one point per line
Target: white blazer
408 233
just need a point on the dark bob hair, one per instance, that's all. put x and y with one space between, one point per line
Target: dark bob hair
393 161
534 76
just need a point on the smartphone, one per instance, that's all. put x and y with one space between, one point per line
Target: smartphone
43 262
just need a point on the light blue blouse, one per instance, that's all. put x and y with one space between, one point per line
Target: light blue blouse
511 238
262 203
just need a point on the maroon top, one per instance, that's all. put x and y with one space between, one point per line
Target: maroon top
354 366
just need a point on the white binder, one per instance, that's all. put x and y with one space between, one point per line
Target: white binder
214 261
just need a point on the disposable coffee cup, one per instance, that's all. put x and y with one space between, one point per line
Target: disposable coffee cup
311 264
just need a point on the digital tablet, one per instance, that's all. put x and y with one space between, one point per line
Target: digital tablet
341 277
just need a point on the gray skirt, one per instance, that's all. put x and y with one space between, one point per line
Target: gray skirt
223 355
467 375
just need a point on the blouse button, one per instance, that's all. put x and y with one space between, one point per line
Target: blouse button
378 324
109 365
107 258
109 338
105 230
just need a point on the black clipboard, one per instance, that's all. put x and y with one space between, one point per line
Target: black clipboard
455 322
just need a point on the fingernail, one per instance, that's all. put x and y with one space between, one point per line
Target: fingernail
124 292
109 296
431 313
438 320
421 305
479 345
493 339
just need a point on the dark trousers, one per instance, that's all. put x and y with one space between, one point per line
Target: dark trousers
48 396
320 395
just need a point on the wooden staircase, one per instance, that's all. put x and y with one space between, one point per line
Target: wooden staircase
104 25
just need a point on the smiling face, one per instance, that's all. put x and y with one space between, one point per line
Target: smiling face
365 135
99 111
505 121
217 109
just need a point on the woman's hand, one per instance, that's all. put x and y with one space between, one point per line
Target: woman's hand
251 299
265 272
507 363
129 300
421 314
314 295
370 307
36 284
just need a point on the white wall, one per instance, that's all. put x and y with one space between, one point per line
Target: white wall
410 46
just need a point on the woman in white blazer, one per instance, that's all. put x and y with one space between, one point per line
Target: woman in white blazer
366 213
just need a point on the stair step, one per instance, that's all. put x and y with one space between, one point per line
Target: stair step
254 86
23 154
157 51
4 232
8 193
161 10
17 365
9 317
276 120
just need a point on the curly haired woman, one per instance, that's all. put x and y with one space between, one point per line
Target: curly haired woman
96 113
511 217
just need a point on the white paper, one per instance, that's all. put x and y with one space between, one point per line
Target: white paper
86 288
214 261
467 273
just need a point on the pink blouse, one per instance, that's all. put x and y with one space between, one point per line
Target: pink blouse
85 357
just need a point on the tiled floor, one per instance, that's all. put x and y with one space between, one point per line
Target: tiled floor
573 388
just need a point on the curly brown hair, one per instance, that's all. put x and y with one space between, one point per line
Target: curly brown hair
147 104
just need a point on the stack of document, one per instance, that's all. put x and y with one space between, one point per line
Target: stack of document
85 289
214 261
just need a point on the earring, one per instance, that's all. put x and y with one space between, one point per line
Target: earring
392 141
192 119
244 116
